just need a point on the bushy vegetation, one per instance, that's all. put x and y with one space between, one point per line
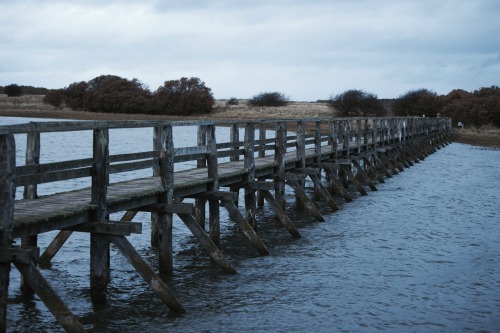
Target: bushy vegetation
13 90
183 97
113 94
232 101
356 103
269 99
417 103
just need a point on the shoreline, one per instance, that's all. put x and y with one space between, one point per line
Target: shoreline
484 137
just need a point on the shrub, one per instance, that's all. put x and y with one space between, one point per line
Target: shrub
183 97
357 103
269 99
54 97
417 103
113 94
232 101
13 90
74 95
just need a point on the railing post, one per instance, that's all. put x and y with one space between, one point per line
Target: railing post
262 153
165 144
301 160
279 160
317 153
7 196
358 135
213 173
347 136
235 139
333 131
249 164
30 193
199 204
99 245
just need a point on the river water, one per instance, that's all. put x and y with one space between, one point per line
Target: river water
422 254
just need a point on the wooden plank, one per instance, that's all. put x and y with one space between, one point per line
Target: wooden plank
213 251
284 219
109 228
364 176
153 280
245 227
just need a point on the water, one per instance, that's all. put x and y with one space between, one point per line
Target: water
419 255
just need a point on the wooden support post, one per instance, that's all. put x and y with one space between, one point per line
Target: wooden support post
317 159
262 153
337 185
284 219
30 193
158 139
213 251
304 199
99 245
158 286
54 247
249 164
165 220
245 227
299 185
334 128
213 173
7 196
235 139
358 135
199 204
323 192
363 175
372 168
279 160
356 183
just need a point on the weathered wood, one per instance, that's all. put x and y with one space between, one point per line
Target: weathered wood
323 192
109 228
279 160
49 297
158 286
99 246
363 175
213 173
200 203
219 195
30 193
304 199
54 247
280 213
354 180
174 208
7 195
165 222
213 251
249 165
337 186
245 227
317 157
261 153
300 164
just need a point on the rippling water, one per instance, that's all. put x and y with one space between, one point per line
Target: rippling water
419 255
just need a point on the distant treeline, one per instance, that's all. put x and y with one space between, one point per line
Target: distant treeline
188 96
15 90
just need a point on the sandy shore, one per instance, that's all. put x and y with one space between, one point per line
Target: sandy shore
33 107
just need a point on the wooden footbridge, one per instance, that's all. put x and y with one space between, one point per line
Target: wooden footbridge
358 152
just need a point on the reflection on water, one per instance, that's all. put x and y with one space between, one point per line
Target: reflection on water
419 255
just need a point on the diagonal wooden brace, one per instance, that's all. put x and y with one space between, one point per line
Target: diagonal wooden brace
363 174
308 203
324 193
285 220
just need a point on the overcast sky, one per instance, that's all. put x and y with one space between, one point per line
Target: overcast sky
306 49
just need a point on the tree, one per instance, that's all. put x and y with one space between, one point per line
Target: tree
13 90
183 97
54 97
417 103
74 95
269 99
356 103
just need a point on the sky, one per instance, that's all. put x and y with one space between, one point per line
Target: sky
305 49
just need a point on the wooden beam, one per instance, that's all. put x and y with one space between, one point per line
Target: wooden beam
175 208
285 220
245 227
54 247
337 186
22 255
324 193
108 228
364 176
49 297
306 202
213 251
158 286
